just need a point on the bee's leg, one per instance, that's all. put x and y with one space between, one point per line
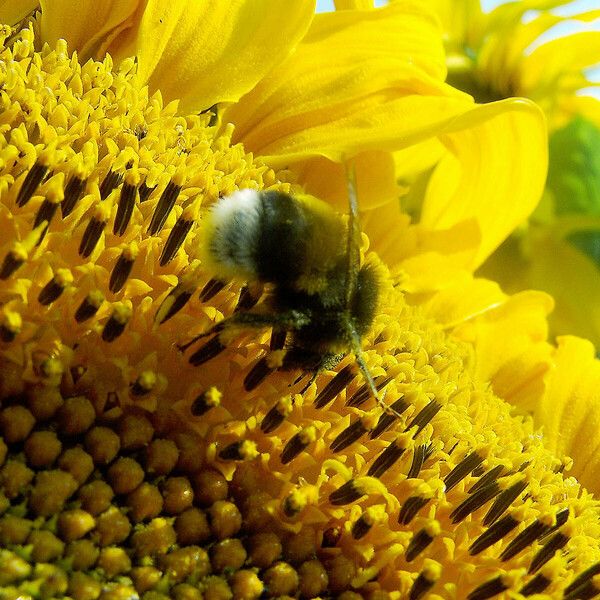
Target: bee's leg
367 375
284 321
263 367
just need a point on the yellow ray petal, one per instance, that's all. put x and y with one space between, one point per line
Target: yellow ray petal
570 409
464 300
558 59
510 345
12 11
88 26
210 52
375 178
361 97
494 172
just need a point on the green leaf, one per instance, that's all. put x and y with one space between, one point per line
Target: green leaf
574 168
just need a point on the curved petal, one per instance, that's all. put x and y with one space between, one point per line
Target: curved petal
87 25
12 11
573 279
494 172
464 300
510 347
559 59
377 62
570 409
376 180
212 51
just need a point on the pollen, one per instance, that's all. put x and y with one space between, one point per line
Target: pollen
135 461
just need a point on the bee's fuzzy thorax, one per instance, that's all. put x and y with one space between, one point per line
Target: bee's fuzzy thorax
229 232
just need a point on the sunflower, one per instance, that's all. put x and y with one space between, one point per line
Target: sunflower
126 471
542 51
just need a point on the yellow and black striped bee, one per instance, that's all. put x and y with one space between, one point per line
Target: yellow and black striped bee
320 300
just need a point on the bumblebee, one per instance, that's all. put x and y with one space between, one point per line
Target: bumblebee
320 301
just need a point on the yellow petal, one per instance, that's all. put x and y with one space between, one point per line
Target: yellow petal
570 409
464 300
88 25
375 178
213 51
12 11
574 280
510 346
494 172
362 97
559 59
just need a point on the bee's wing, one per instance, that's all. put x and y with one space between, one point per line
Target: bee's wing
353 240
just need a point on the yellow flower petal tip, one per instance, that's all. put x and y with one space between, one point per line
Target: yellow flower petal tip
125 470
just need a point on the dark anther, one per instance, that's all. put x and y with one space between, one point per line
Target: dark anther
145 192
386 459
30 183
421 454
175 301
546 552
487 479
73 191
9 329
559 520
536 586
585 591
52 291
90 238
121 271
340 381
176 238
331 537
249 296
89 306
489 589
144 384
423 583
211 289
46 213
410 508
124 209
204 402
418 543
297 444
583 578
278 338
474 502
346 494
272 420
163 207
462 469
364 391
362 526
348 436
525 538
257 374
116 324
425 415
12 261
111 181
496 532
206 352
240 450
503 501
387 418
77 372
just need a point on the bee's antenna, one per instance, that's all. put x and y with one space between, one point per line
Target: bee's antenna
364 369
353 240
